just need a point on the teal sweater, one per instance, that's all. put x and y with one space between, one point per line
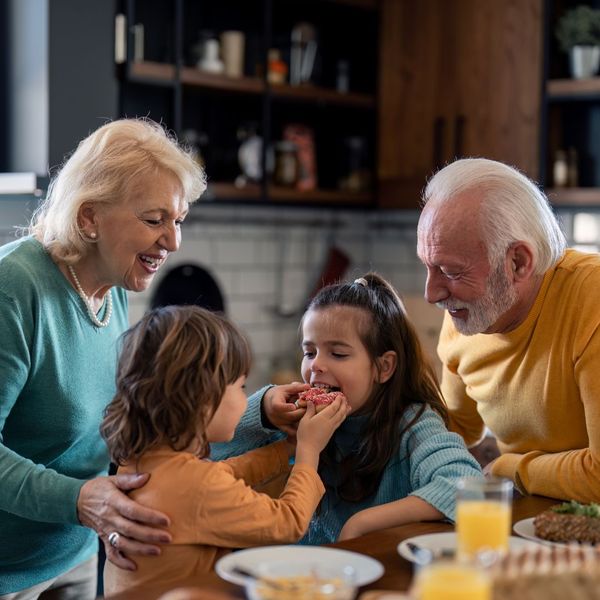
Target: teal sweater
428 463
57 373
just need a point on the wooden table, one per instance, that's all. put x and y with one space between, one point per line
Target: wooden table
381 545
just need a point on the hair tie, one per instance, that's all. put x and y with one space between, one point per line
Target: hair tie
362 281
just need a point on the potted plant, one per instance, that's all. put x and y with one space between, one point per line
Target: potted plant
578 32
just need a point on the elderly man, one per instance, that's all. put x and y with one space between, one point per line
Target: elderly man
520 343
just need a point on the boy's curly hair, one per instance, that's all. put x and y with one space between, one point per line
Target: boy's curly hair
174 367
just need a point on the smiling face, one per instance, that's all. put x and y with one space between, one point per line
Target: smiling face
334 354
460 278
226 418
136 235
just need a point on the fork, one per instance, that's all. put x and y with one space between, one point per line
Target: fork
424 556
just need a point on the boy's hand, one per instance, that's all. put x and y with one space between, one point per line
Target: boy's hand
279 408
315 430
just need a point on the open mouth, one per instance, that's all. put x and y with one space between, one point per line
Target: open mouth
326 388
151 263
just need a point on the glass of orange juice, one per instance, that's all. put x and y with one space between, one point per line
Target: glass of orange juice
445 580
483 516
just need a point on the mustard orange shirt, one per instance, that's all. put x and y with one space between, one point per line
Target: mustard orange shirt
213 509
537 387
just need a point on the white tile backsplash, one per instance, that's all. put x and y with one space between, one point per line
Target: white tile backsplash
267 263
268 259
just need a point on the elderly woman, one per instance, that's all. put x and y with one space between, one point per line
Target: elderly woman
112 216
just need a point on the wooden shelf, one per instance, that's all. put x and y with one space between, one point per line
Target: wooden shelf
574 196
249 85
311 93
320 196
164 74
366 4
253 192
221 190
152 72
576 89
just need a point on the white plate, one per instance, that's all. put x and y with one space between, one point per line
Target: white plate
437 542
367 569
525 529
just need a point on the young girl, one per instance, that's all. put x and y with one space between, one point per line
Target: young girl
180 386
392 461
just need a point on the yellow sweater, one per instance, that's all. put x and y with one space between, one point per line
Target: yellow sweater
538 387
213 509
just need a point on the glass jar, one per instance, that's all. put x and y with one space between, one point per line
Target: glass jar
286 164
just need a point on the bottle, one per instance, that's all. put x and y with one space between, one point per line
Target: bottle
559 169
286 164
572 168
342 80
276 67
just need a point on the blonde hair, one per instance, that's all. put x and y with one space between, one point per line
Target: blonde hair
513 208
174 368
103 169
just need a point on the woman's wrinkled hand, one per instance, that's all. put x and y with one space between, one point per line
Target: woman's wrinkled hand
104 506
279 408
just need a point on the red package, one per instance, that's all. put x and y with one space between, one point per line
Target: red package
304 138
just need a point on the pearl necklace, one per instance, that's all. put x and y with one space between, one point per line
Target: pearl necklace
90 309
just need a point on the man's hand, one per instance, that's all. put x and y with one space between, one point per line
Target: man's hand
104 507
279 408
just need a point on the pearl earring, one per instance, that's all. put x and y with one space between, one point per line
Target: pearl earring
93 235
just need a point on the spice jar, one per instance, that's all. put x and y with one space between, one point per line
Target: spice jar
286 164
276 67
560 169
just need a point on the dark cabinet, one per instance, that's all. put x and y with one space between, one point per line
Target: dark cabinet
571 133
172 73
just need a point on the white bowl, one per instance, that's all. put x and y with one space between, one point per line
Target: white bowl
287 580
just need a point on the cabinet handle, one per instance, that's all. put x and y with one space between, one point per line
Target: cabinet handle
439 125
459 135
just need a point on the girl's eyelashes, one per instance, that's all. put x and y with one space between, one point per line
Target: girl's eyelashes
311 354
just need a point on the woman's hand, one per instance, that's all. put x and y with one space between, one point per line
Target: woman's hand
104 507
279 408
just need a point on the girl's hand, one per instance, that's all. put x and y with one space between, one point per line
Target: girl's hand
104 507
279 408
315 430
487 470
352 528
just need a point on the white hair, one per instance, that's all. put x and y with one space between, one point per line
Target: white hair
513 208
102 170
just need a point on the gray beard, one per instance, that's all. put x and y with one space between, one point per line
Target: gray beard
500 296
